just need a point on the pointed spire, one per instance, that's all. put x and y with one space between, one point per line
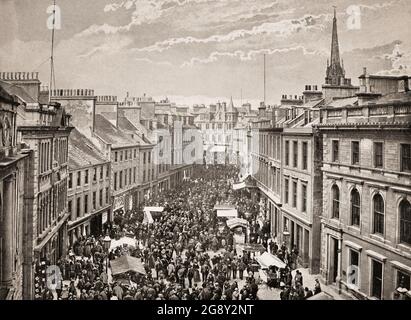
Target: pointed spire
335 48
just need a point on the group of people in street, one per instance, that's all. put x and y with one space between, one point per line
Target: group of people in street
187 253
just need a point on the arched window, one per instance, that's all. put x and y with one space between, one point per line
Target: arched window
355 208
335 202
378 208
405 222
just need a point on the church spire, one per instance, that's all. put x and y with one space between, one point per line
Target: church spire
335 71
335 48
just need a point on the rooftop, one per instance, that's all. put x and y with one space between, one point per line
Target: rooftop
82 152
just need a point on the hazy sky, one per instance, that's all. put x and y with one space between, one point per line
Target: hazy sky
202 50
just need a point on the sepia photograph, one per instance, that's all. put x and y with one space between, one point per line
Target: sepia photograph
218 153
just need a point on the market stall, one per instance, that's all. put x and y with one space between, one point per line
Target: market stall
126 264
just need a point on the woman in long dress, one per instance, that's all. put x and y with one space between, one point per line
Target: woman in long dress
196 268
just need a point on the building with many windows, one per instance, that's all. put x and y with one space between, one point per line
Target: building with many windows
45 128
89 189
366 221
15 164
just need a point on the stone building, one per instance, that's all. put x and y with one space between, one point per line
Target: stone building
366 222
15 163
45 128
89 192
220 126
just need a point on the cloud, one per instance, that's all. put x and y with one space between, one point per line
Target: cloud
159 63
250 55
400 62
282 29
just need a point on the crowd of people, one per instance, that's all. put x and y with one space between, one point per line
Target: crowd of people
186 253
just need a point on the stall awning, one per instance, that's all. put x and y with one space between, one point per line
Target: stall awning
227 213
121 242
154 209
321 296
267 260
223 207
237 222
252 247
239 186
125 264
148 218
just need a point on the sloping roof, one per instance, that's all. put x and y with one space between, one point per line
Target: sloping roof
16 90
340 103
5 96
395 97
82 152
110 134
126 125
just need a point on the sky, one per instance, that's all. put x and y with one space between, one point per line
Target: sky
201 51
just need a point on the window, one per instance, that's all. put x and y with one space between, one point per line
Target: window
121 179
134 174
149 157
287 153
115 156
78 207
121 156
355 208
70 180
304 198
107 195
100 197
107 171
86 177
378 208
286 191
406 157
378 155
101 172
295 154
405 222
70 206
94 200
403 280
355 152
305 155
78 178
135 153
95 174
129 176
335 191
86 204
115 181
335 151
144 175
144 158
376 279
125 177
294 194
125 155
353 268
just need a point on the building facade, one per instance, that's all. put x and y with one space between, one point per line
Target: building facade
366 223
14 170
45 128
89 188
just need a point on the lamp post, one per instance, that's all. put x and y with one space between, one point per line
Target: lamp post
107 244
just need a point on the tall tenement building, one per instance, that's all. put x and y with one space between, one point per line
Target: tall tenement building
366 220
44 128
